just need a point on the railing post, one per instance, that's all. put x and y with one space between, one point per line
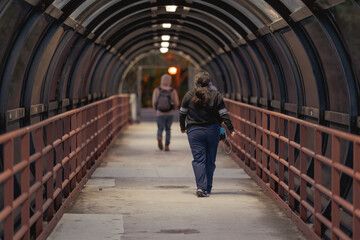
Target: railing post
317 180
59 155
272 150
79 134
303 168
335 186
258 142
265 145
356 190
9 189
291 160
66 160
49 170
253 138
72 155
38 142
281 155
25 184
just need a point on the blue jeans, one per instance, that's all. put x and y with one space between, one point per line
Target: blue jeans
204 143
164 121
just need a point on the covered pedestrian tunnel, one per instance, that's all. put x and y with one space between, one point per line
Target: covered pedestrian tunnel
289 70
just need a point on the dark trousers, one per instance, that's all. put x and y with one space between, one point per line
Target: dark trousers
164 122
204 143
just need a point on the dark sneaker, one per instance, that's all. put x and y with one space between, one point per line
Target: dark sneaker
160 145
201 193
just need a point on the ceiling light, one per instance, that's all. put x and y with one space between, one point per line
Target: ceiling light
166 25
165 44
172 70
171 8
165 37
164 50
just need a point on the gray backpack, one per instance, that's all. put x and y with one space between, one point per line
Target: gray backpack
163 102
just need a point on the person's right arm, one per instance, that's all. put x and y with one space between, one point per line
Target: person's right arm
154 97
224 115
175 98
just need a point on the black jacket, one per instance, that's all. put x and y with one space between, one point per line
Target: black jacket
195 115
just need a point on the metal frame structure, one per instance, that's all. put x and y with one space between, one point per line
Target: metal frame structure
57 156
267 147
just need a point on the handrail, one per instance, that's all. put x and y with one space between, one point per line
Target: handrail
56 157
267 148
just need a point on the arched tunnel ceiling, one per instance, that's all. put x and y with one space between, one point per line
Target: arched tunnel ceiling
221 24
289 55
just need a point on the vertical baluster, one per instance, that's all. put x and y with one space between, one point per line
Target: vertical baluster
281 155
78 145
335 185
58 161
9 189
356 194
303 168
25 184
272 150
265 146
50 169
291 160
253 137
66 149
38 140
73 154
317 180
258 141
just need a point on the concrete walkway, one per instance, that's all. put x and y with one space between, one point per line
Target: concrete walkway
140 192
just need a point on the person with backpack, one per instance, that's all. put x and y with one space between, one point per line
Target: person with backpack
201 112
165 100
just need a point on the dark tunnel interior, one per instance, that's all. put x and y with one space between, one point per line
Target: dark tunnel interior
300 58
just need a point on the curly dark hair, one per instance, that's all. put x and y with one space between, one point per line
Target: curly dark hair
201 94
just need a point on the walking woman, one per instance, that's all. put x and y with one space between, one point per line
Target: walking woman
201 112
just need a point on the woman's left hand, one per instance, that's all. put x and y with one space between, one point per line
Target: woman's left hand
233 134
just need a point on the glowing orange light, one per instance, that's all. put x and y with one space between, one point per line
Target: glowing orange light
172 70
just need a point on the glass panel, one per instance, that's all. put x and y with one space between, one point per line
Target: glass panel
60 3
357 2
43 66
3 4
247 13
99 11
251 71
272 79
257 60
348 18
222 11
303 62
22 62
293 5
334 75
267 9
82 8
80 71
88 12
10 21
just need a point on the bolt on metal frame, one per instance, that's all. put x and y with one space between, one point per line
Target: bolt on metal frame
260 148
67 149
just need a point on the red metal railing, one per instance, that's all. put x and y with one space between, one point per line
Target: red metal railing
45 165
300 165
